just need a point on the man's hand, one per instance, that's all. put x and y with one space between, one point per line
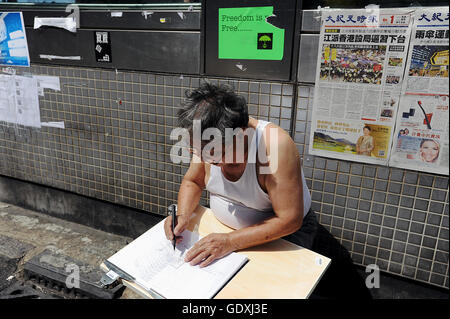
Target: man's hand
208 249
182 222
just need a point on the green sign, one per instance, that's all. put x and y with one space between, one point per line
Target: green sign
244 33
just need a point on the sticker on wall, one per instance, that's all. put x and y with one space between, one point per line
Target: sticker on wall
248 30
13 40
102 46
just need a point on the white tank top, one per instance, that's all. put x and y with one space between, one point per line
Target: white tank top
243 203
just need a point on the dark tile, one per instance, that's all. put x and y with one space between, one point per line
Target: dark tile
427 253
438 195
416 227
381 185
421 204
426 180
422 275
436 207
382 172
441 182
434 219
423 192
395 268
412 250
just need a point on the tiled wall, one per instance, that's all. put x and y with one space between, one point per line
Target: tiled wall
116 142
116 147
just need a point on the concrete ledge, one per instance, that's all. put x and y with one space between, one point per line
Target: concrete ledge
98 214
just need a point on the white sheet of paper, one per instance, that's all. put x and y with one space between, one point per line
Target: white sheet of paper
53 124
67 23
48 82
27 101
151 260
7 103
19 102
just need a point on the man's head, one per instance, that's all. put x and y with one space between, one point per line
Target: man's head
215 107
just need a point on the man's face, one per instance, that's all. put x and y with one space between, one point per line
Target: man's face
220 153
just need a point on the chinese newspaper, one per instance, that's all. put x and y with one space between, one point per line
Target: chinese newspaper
361 62
421 139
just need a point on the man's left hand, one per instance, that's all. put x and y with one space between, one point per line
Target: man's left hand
208 249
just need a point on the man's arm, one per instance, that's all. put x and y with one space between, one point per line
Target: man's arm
285 190
191 187
188 198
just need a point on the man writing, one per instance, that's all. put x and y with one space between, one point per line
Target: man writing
259 191
261 205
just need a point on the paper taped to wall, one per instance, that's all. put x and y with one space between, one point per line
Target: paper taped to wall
13 40
7 105
58 57
67 23
53 124
27 101
19 103
48 82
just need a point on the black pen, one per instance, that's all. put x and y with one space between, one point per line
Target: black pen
173 212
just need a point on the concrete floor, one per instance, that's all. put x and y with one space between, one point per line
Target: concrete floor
26 234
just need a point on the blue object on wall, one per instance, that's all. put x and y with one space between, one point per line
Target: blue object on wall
13 40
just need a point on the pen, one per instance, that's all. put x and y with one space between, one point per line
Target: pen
173 212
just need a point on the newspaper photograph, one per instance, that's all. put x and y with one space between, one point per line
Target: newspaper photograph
361 63
421 139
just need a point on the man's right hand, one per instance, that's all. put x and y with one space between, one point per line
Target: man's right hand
182 222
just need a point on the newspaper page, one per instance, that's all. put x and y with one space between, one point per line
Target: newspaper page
421 139
362 56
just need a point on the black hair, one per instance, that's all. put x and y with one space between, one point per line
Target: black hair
367 127
215 106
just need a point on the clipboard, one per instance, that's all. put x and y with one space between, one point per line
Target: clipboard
278 269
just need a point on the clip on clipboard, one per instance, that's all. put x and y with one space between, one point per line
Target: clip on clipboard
116 273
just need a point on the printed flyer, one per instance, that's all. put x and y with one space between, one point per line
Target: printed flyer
421 139
362 58
13 40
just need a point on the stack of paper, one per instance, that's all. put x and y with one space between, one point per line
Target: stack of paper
156 267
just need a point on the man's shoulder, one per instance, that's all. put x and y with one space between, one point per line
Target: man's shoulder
282 139
283 155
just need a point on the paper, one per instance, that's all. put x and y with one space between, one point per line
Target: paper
154 264
116 14
19 102
359 74
7 103
59 57
13 40
67 23
421 139
53 124
27 102
248 29
48 82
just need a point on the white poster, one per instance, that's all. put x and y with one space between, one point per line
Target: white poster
421 139
13 40
19 102
361 62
